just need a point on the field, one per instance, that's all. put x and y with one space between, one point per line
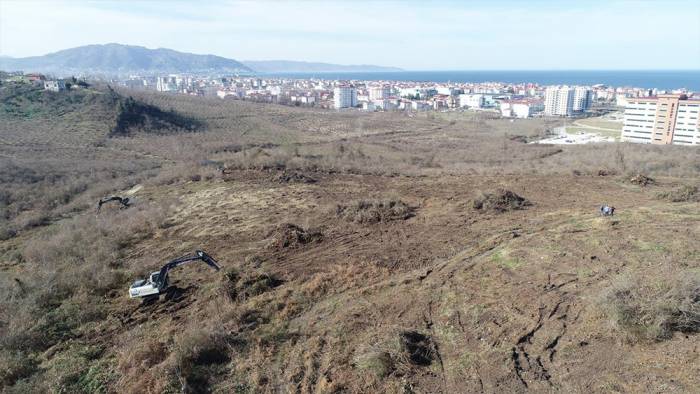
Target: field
597 125
360 252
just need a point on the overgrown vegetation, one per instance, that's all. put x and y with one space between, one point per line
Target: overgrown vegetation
198 355
653 308
133 116
685 193
71 267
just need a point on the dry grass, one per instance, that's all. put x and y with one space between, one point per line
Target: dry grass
73 265
685 193
653 308
198 352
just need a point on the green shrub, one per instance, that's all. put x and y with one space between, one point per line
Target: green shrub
16 365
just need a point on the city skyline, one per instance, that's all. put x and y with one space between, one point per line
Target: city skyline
409 35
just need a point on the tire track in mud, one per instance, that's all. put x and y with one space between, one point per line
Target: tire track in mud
534 351
463 260
529 364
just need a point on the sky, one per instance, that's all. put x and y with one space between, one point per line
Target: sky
414 35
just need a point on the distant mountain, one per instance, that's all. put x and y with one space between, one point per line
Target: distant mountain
117 59
289 66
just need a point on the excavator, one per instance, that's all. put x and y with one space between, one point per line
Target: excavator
157 283
124 201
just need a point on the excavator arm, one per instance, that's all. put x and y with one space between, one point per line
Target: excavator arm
198 255
124 201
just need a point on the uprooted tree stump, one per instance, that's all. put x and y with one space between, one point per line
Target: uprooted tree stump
374 211
290 235
606 172
642 180
420 348
501 200
239 286
294 177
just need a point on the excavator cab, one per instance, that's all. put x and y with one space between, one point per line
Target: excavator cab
145 287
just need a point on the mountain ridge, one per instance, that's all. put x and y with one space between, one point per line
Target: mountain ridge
122 59
271 66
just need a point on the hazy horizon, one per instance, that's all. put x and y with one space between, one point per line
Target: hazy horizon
442 36
389 65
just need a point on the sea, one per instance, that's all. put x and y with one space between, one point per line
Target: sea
648 79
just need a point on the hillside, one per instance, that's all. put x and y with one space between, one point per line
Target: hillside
360 253
116 59
288 66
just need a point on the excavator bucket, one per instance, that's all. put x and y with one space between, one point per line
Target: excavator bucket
208 259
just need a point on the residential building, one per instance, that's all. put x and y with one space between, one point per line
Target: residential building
344 97
566 100
379 92
471 100
449 90
369 106
35 78
420 105
55 85
523 108
583 97
559 101
167 84
303 99
664 119
383 104
621 100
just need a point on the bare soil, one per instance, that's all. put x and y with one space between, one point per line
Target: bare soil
493 302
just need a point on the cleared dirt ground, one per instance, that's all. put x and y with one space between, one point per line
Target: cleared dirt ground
508 300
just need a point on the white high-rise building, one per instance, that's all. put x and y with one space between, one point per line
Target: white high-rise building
566 100
582 98
344 97
379 92
167 84
558 101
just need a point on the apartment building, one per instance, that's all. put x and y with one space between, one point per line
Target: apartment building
472 100
55 85
379 92
523 108
344 97
566 101
665 119
582 99
167 84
